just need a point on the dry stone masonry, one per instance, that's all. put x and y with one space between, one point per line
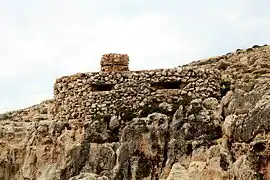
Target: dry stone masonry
114 62
85 95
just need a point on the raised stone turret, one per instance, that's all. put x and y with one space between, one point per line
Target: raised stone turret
114 62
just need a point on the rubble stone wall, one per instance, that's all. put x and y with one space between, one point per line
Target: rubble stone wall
114 62
85 95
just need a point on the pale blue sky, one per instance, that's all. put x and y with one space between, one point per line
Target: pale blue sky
41 40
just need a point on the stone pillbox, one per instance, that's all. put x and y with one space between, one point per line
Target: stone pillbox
117 91
114 62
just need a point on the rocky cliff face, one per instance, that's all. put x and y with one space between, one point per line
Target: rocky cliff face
223 135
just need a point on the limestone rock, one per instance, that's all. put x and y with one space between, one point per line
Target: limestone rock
178 172
165 106
114 122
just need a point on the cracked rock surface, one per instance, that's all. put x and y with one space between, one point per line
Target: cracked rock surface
223 135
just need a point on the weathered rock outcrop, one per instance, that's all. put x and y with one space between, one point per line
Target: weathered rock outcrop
209 119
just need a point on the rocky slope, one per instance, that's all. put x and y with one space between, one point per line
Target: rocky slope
211 138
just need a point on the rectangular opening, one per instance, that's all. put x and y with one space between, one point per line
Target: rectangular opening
102 87
166 85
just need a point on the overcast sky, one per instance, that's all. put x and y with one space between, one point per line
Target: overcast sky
41 40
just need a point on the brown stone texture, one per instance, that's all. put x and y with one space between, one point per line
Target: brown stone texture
114 68
207 120
114 62
85 95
